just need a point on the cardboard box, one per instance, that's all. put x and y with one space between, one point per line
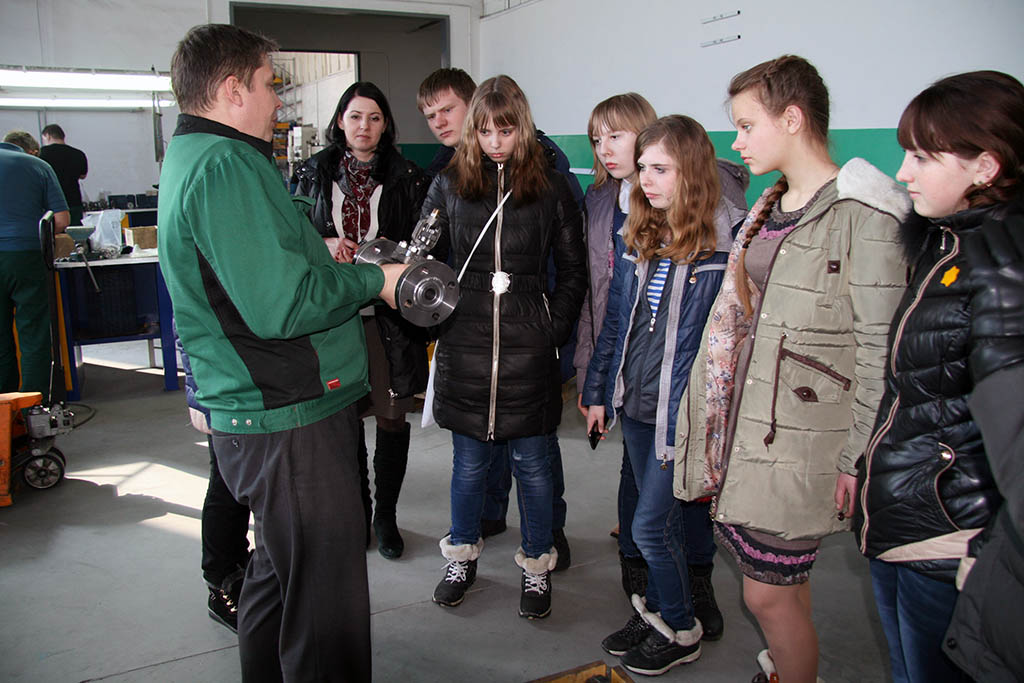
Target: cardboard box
141 236
63 245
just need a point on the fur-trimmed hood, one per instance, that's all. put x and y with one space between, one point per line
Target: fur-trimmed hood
860 181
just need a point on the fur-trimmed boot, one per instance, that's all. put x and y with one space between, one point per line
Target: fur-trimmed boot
705 607
663 648
535 599
459 573
634 575
390 459
630 635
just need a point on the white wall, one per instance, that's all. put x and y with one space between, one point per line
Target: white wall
874 54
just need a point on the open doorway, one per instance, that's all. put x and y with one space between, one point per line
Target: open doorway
394 51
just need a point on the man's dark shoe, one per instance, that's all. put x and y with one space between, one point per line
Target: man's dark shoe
222 605
535 599
458 577
627 637
656 654
491 527
705 608
561 544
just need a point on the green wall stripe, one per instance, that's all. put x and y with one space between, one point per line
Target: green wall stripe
877 145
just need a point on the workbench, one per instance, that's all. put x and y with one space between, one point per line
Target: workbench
133 304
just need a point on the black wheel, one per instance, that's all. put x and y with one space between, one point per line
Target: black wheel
60 455
44 471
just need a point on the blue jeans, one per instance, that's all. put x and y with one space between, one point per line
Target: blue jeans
915 611
532 469
628 496
499 483
698 531
658 528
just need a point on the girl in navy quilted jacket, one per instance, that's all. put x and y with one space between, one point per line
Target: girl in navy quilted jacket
669 262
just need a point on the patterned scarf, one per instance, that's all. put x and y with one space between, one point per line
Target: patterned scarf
358 186
729 327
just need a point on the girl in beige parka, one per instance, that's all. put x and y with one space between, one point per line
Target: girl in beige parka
783 394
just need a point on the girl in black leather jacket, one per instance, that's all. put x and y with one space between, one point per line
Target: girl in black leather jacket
362 188
927 491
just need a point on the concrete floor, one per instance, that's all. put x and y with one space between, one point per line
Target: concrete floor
100 579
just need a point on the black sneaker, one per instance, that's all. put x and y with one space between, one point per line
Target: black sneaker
458 577
705 607
535 600
627 637
561 544
491 527
656 654
223 608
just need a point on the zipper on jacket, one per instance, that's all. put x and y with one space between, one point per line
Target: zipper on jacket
869 453
496 312
948 455
551 321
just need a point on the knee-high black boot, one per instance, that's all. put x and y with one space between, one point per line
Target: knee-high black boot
389 462
364 479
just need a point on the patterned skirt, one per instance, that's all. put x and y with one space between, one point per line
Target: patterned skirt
766 558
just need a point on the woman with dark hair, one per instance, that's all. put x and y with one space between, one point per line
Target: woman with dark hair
362 188
669 261
791 364
504 211
933 477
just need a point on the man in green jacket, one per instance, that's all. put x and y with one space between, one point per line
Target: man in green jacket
271 324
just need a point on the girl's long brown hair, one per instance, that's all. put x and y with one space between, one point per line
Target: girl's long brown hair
500 101
688 224
777 84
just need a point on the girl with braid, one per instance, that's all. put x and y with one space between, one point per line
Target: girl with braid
792 365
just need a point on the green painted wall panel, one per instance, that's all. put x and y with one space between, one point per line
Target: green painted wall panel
877 145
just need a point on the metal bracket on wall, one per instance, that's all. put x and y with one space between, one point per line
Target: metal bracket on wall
719 41
719 17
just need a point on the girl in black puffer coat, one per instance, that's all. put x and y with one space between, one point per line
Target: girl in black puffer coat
503 212
927 489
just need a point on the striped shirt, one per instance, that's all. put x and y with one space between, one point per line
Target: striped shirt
657 285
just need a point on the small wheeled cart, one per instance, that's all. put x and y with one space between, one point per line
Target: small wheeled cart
27 435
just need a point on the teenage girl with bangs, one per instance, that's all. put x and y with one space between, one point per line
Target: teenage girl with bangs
941 482
791 367
504 212
613 128
668 268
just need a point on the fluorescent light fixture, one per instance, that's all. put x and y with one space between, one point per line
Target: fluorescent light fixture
79 103
36 77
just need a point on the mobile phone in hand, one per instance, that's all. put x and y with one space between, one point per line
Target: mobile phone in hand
595 437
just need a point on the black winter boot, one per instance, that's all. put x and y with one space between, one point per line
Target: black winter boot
634 576
705 607
389 462
364 480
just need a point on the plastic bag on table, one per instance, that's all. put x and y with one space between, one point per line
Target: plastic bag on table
108 228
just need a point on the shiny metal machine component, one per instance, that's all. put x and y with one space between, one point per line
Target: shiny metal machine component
427 291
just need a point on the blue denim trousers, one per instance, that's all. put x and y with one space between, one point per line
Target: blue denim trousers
499 484
530 465
915 611
658 528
